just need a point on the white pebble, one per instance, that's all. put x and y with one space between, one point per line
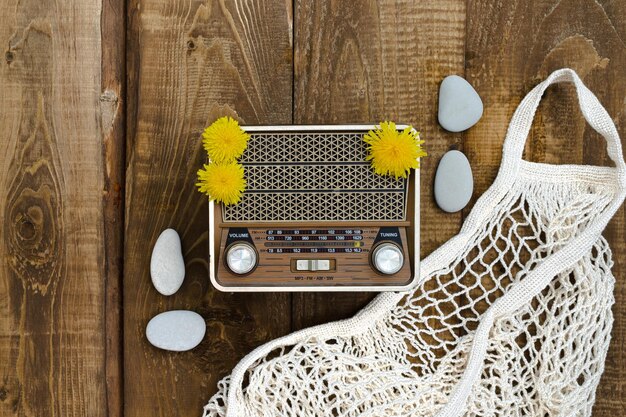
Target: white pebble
454 183
167 267
177 330
460 106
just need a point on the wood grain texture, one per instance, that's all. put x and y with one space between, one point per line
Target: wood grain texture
98 156
367 61
113 121
52 274
511 46
191 62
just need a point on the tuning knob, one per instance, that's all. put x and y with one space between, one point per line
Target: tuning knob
241 258
387 258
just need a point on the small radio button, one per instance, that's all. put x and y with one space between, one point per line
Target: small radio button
387 258
241 258
313 265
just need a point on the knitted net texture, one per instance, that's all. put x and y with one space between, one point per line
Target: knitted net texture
458 344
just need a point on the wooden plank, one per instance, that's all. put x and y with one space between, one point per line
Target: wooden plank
190 62
52 174
371 61
512 46
113 111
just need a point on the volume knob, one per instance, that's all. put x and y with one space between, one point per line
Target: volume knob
387 258
241 258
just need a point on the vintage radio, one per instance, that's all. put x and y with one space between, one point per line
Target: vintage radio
315 217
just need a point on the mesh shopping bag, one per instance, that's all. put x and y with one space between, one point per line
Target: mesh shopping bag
511 317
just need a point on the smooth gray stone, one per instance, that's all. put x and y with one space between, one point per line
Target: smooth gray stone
454 182
167 266
177 330
460 106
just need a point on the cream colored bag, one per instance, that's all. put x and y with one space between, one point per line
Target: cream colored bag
511 317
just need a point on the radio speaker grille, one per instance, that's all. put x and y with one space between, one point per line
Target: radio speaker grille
314 176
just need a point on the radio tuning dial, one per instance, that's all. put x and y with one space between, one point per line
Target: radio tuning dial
387 258
241 258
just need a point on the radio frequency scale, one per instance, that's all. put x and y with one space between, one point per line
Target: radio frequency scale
315 217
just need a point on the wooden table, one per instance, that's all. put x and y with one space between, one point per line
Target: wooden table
101 107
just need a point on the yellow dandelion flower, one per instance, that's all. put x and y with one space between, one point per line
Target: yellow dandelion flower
391 152
224 140
222 182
